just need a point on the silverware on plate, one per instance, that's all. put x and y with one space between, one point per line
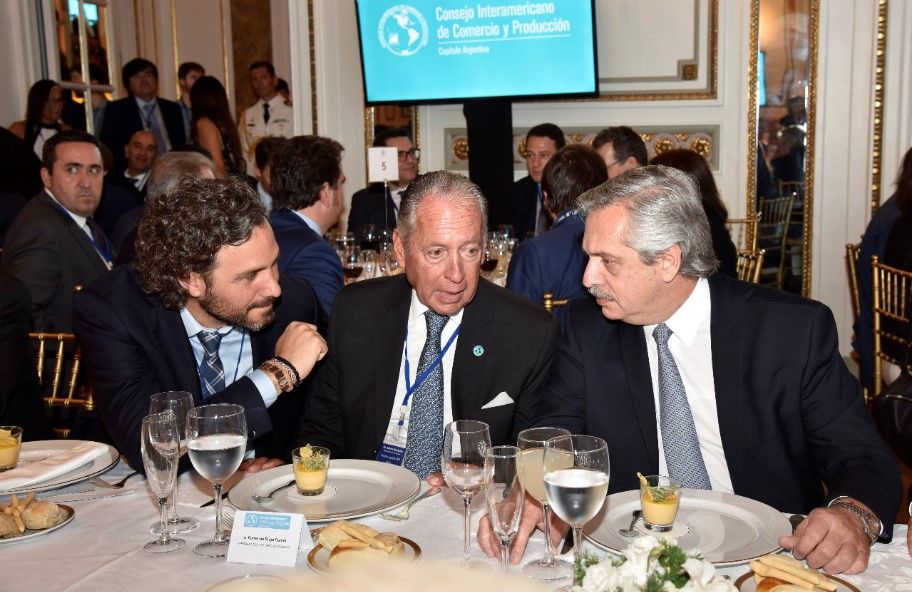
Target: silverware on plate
116 485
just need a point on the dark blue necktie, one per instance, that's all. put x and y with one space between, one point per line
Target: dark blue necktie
100 241
211 372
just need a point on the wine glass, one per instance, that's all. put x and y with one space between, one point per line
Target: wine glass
576 472
465 443
160 445
370 238
531 443
505 496
180 402
351 263
216 440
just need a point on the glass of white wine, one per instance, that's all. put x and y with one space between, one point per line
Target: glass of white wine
531 443
576 492
160 443
505 496
180 402
465 443
216 440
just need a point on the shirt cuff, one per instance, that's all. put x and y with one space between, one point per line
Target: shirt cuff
265 386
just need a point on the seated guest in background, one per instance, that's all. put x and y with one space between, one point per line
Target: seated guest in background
142 109
308 185
205 311
874 242
42 115
461 348
187 74
372 205
621 148
140 152
554 261
271 115
530 216
695 165
118 195
53 244
720 384
266 149
213 127
169 172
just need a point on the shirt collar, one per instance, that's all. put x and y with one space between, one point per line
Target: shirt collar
310 223
273 102
193 327
142 104
80 220
686 321
417 310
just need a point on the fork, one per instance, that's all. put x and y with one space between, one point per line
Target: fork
116 485
403 514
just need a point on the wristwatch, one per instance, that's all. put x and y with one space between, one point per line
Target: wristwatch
272 368
870 523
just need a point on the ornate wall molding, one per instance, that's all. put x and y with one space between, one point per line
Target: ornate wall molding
879 83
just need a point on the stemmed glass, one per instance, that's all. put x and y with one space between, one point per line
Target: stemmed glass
465 443
531 443
160 446
505 496
180 402
216 439
576 480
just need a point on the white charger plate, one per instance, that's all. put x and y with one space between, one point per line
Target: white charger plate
39 450
728 529
354 488
31 534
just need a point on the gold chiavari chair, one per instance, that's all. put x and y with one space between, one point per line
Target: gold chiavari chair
791 188
772 230
750 265
890 308
58 361
743 232
851 261
550 302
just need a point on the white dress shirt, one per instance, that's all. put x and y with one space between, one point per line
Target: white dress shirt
691 346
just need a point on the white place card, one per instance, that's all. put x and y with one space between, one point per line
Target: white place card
267 538
382 164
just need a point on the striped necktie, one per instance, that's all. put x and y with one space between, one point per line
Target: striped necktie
211 372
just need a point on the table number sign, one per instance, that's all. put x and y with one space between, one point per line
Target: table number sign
382 164
267 538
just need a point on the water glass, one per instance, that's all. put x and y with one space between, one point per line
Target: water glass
180 402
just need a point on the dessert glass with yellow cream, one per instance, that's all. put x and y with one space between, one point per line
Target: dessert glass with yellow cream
659 500
311 464
10 443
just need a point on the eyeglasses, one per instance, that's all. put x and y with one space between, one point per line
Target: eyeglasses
414 153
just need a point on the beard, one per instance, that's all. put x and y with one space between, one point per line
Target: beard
235 316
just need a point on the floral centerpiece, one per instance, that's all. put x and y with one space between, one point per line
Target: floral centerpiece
649 564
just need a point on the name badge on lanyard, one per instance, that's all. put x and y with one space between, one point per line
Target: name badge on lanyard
392 450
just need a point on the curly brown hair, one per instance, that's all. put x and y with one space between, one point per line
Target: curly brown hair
183 231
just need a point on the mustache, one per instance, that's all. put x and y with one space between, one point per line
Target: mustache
600 293
270 302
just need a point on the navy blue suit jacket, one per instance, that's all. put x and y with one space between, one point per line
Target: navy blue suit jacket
306 255
123 119
791 416
525 196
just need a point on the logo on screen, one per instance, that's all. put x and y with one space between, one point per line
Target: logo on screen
403 30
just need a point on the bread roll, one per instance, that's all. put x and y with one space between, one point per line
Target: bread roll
342 556
7 526
769 584
41 515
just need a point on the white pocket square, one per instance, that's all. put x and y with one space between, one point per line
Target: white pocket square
499 401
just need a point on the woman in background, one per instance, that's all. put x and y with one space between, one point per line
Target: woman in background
213 127
694 164
42 115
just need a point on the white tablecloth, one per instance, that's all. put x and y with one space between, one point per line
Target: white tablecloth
102 548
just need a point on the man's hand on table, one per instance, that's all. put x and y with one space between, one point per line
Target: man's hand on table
261 463
532 518
831 539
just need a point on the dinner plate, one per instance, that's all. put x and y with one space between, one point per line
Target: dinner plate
318 558
354 488
31 534
41 449
728 529
746 583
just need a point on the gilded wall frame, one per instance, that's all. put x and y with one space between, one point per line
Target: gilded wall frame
879 83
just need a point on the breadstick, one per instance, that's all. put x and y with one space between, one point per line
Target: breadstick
772 572
795 567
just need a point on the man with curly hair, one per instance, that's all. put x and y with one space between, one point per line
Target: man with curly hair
204 310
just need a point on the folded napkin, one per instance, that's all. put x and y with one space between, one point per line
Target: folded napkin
51 467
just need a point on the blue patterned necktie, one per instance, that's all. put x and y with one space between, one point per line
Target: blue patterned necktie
679 434
211 372
152 126
425 429
100 241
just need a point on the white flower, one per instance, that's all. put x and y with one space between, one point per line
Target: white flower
597 577
703 577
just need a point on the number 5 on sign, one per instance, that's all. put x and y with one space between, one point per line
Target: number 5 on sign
382 164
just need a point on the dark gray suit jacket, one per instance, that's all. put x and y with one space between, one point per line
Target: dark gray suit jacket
355 389
48 252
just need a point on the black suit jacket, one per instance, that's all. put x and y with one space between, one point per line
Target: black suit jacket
122 119
525 196
49 253
367 207
791 416
133 346
355 389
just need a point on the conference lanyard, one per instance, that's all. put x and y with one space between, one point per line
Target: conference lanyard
419 380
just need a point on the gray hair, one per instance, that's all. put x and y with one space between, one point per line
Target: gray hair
664 207
451 187
173 169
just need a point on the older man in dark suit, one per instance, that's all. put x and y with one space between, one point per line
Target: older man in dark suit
54 245
412 352
718 383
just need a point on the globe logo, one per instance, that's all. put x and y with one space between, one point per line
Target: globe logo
402 30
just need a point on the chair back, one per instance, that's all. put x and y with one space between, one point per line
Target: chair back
851 261
58 361
749 266
890 308
775 218
743 232
550 302
791 188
